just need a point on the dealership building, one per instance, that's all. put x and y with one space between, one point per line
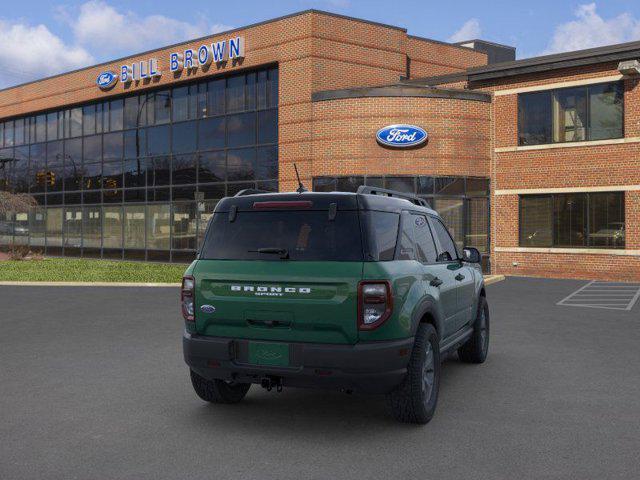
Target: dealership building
535 162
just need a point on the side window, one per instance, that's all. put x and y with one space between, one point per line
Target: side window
424 240
406 250
447 250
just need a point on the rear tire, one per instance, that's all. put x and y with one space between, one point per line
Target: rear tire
415 399
218 391
477 347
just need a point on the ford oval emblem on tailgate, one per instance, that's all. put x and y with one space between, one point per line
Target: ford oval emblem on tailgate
401 136
207 308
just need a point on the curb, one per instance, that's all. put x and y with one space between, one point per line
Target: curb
89 284
489 279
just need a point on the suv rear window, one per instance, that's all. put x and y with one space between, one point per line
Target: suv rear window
305 235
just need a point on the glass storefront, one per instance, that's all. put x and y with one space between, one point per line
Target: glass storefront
462 202
138 176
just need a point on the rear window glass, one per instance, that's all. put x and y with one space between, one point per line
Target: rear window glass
304 235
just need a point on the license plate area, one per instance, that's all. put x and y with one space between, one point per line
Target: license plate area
270 354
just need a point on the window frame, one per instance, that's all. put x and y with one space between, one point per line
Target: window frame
588 219
553 91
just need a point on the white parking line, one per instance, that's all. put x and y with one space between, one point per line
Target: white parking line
612 296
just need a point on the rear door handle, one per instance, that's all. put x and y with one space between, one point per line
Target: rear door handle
459 277
436 282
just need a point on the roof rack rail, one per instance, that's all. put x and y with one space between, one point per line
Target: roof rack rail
369 190
250 191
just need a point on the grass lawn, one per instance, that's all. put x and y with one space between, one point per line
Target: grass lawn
84 270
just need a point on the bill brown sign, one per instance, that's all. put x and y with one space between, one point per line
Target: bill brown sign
189 59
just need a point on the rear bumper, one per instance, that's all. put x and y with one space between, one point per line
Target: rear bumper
373 367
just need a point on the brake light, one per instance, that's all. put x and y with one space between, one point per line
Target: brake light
187 298
375 303
284 204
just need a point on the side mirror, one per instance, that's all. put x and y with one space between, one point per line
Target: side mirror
471 255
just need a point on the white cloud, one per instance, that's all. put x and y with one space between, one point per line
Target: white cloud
469 31
591 30
98 32
29 52
107 31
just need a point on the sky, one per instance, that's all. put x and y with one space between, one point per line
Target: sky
39 38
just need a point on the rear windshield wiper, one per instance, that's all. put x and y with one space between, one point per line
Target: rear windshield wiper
283 252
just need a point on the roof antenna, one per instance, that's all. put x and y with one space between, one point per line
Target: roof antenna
300 188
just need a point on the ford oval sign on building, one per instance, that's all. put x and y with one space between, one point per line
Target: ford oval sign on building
401 136
106 80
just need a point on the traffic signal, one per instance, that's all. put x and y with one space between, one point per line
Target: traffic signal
41 178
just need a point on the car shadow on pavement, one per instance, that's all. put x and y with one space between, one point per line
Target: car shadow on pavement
314 411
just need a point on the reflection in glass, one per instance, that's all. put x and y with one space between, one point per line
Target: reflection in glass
241 164
92 227
158 227
112 227
37 226
184 226
134 226
54 227
73 227
452 213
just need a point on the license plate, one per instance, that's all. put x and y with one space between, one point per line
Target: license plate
272 354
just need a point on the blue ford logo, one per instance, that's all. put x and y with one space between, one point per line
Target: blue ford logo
208 308
106 80
401 136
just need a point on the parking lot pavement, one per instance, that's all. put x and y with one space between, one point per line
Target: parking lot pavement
92 386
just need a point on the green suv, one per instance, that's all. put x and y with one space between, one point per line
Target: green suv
360 292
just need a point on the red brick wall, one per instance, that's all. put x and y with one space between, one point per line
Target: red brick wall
314 51
564 167
429 58
344 137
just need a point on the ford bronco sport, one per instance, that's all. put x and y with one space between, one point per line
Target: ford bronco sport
362 292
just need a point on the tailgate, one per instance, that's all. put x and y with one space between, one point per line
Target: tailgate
291 301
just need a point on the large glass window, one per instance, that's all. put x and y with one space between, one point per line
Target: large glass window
158 227
578 220
73 227
54 227
100 169
37 226
92 227
134 225
184 226
591 112
112 227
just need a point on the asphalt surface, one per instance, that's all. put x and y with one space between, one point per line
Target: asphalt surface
93 386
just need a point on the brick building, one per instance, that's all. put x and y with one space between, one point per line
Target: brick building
127 159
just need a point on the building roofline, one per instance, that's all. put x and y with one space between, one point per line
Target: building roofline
400 90
496 44
226 32
440 42
435 79
555 61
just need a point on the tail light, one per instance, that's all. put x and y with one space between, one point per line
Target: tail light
375 304
187 298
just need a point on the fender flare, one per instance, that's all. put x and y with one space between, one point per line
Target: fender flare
426 306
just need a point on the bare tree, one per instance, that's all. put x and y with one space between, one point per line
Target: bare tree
16 202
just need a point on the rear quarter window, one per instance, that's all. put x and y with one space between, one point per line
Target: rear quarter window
382 234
